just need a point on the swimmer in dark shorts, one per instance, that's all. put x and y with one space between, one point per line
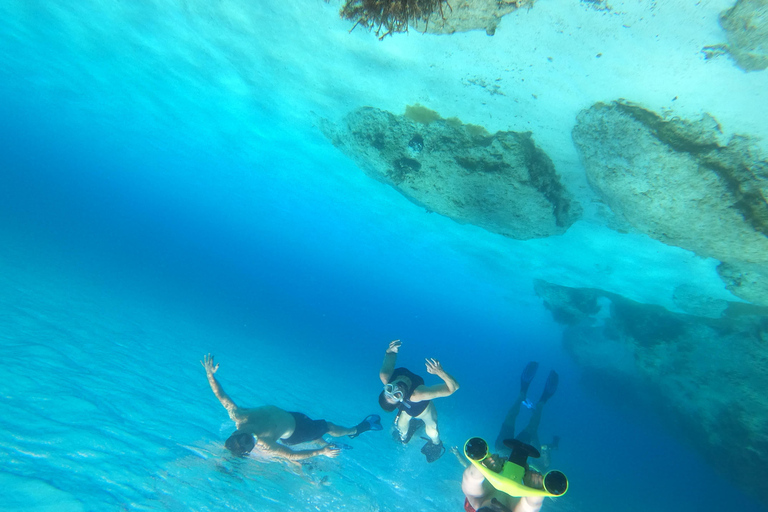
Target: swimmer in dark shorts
271 430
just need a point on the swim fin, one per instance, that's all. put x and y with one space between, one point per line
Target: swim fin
550 387
413 426
432 451
528 374
372 422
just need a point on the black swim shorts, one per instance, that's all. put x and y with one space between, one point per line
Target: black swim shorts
306 429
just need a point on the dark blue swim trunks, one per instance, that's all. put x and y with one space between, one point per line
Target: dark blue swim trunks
306 429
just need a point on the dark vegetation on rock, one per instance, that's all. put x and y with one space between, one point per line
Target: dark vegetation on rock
501 182
713 397
386 17
677 182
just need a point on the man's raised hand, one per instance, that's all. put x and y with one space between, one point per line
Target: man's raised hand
434 367
208 364
394 347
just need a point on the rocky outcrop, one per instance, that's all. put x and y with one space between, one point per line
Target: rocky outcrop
707 377
678 182
386 18
746 24
692 300
501 182
747 280
466 15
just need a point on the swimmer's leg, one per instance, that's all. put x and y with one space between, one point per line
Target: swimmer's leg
507 430
429 416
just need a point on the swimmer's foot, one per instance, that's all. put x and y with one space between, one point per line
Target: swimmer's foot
372 422
528 374
550 387
432 451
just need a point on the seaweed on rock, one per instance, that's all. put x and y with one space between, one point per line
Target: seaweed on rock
386 17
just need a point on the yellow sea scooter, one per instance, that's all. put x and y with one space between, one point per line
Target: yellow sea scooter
510 479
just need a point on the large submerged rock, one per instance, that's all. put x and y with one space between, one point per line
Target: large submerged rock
707 377
501 182
678 182
746 24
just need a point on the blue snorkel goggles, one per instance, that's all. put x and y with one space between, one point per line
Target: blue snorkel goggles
391 392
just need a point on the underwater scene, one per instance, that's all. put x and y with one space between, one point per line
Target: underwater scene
384 255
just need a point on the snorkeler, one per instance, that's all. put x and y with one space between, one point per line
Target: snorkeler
271 430
405 391
529 435
481 496
492 484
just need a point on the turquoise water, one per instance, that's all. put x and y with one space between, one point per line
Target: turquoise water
110 297
145 223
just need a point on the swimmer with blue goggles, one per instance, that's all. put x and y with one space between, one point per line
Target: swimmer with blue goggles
393 392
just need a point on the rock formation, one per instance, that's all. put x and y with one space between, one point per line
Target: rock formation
746 24
501 182
707 377
677 182
466 15
384 17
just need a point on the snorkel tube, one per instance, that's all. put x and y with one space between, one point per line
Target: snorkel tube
510 479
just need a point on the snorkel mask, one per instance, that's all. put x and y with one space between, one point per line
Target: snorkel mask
392 392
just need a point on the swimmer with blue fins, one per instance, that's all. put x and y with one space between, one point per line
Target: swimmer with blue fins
406 392
529 435
491 483
272 431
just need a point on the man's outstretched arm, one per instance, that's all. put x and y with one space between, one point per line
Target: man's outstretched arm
390 357
283 452
210 369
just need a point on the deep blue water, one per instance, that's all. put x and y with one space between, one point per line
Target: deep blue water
160 199
265 266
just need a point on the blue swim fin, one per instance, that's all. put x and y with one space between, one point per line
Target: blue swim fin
372 422
550 387
528 374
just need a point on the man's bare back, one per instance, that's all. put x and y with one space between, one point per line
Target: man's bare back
267 422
